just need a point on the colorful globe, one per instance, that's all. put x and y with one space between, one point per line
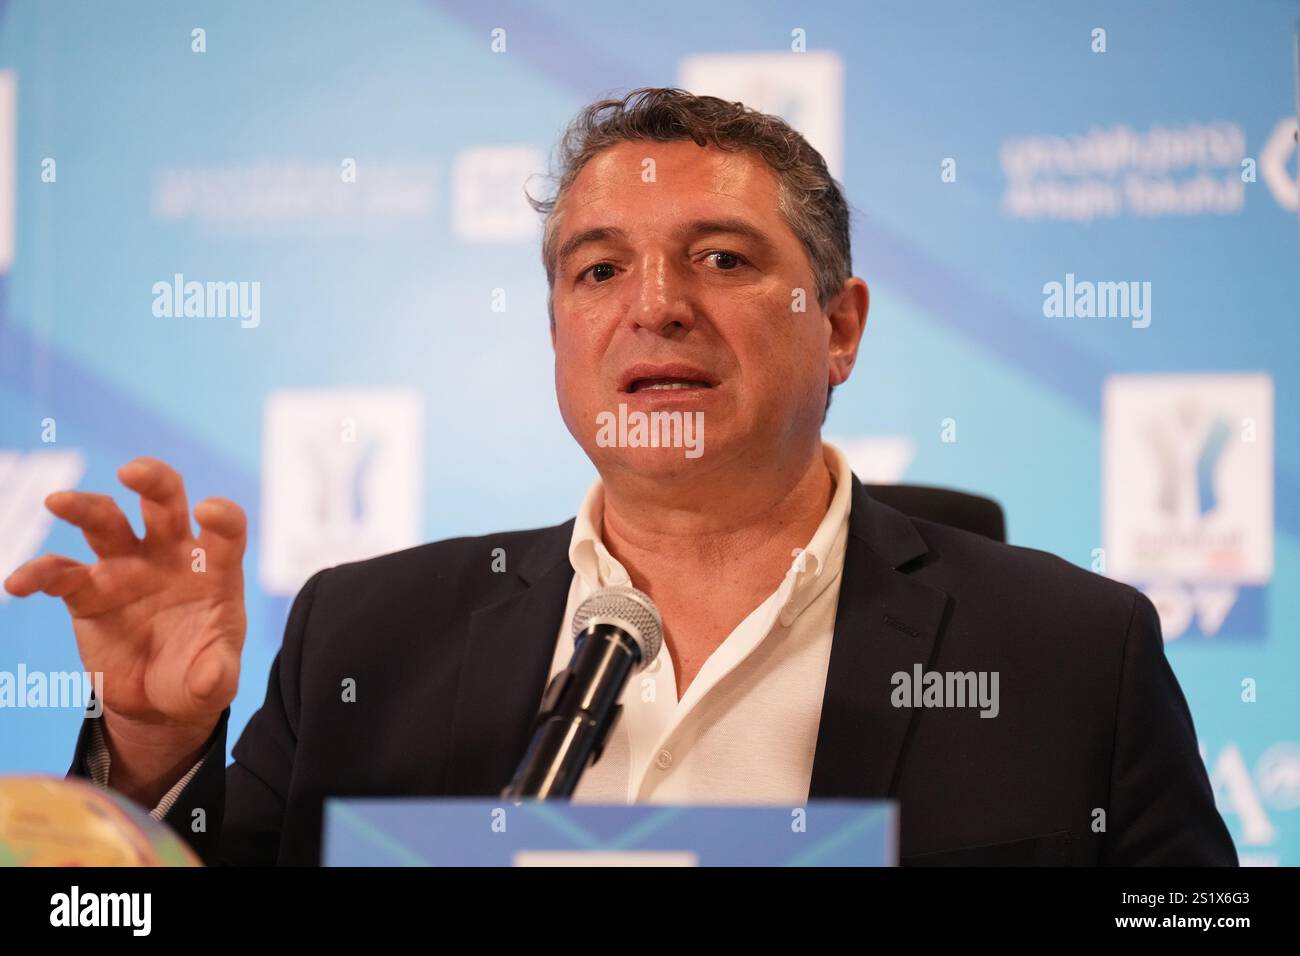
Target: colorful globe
52 821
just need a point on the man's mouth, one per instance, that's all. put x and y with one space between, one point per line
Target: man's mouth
665 384
665 377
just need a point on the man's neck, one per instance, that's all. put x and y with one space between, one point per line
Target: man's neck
735 527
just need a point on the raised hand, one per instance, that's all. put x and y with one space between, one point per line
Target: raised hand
162 618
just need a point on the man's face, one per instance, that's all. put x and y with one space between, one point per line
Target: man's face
687 278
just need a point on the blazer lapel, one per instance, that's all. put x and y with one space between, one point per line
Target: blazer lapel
507 660
885 622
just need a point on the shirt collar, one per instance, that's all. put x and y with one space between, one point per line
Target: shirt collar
598 568
817 566
590 558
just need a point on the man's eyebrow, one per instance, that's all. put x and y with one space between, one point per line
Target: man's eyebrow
578 240
726 225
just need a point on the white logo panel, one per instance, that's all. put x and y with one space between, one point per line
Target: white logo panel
804 89
8 141
341 479
1188 477
25 480
487 194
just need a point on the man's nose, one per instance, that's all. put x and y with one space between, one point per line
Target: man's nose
663 302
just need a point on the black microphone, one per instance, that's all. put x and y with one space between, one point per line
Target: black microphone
616 632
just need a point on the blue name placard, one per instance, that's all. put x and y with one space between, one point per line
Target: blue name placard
475 832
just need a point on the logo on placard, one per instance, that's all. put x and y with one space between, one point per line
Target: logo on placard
341 482
1188 495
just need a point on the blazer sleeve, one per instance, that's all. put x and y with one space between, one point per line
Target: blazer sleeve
1162 810
243 804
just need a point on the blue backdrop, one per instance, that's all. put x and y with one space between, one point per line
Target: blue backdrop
356 173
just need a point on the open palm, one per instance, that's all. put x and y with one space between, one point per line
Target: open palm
162 618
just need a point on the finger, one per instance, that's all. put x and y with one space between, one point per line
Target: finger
100 519
38 574
69 583
223 530
162 498
75 585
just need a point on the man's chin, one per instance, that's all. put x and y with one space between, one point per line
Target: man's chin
662 443
661 464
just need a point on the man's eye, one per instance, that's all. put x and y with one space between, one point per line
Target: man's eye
725 261
601 271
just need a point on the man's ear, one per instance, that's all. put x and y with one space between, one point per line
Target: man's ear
847 314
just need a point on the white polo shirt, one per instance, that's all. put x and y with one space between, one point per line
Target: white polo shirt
746 731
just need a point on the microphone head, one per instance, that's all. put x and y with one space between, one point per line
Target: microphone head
626 608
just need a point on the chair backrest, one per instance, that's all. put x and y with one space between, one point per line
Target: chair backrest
957 508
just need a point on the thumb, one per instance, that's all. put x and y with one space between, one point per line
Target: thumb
205 683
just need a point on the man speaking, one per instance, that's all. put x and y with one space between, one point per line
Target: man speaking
699 266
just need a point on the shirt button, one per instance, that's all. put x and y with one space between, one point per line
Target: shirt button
664 760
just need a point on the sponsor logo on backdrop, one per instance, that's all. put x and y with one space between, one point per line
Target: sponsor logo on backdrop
25 479
1254 801
1278 773
342 479
8 139
877 459
806 90
488 203
282 197
1188 495
1280 151
1117 171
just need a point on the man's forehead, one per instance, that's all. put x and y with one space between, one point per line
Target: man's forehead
685 183
654 172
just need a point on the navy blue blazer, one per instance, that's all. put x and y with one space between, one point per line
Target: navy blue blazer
1091 759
